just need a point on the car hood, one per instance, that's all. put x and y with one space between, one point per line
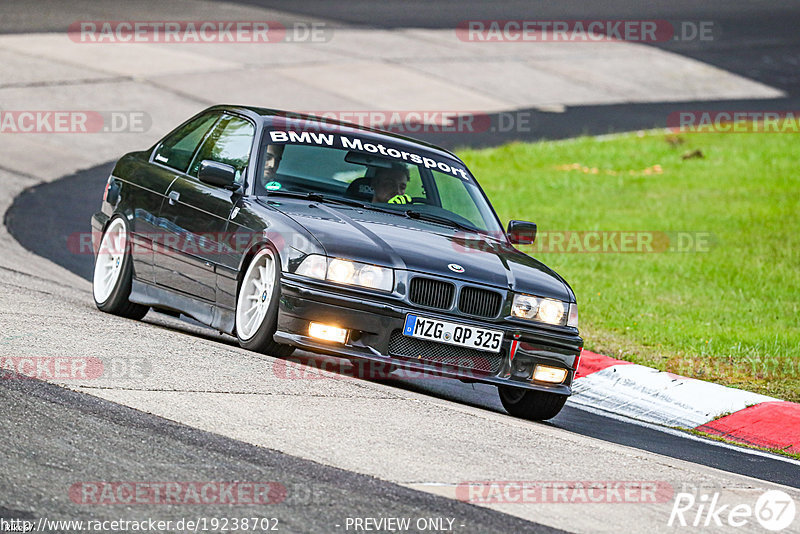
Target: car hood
402 243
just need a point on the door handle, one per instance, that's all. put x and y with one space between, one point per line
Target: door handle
173 197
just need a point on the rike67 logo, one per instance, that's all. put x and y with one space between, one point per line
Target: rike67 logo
774 510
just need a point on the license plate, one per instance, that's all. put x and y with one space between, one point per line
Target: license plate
453 333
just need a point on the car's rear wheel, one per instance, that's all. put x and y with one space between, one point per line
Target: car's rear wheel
530 404
257 305
113 273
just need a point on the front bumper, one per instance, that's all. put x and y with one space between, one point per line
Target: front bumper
376 323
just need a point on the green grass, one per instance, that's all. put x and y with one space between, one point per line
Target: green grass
729 314
783 452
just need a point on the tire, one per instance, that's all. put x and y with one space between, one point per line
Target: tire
113 273
257 305
530 404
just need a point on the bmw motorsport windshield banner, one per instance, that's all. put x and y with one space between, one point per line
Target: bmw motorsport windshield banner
348 142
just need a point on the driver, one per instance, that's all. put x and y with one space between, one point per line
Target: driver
389 185
271 161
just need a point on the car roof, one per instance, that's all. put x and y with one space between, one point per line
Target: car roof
324 124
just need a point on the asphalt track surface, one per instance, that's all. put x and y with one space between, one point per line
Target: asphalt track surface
67 205
65 438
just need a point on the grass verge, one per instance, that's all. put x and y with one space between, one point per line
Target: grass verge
729 441
717 294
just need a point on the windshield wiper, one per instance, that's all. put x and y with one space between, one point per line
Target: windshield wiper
412 214
317 197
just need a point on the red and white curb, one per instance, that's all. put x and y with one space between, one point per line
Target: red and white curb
666 399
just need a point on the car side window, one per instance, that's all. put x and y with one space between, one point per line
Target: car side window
230 142
456 198
414 188
176 150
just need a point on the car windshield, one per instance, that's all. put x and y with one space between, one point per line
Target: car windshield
415 184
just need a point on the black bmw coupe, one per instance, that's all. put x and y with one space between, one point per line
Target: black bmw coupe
292 231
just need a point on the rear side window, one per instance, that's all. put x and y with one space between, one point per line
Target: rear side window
230 142
178 148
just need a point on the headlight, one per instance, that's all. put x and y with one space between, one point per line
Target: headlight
525 307
313 266
341 271
377 277
348 272
544 310
551 311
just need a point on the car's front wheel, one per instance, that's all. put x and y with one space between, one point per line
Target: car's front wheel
530 404
113 273
257 305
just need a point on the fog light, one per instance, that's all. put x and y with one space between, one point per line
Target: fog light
545 373
522 368
327 332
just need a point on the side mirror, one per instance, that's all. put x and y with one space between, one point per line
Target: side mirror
215 173
521 232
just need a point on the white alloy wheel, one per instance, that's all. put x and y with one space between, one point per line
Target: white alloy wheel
255 295
110 261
